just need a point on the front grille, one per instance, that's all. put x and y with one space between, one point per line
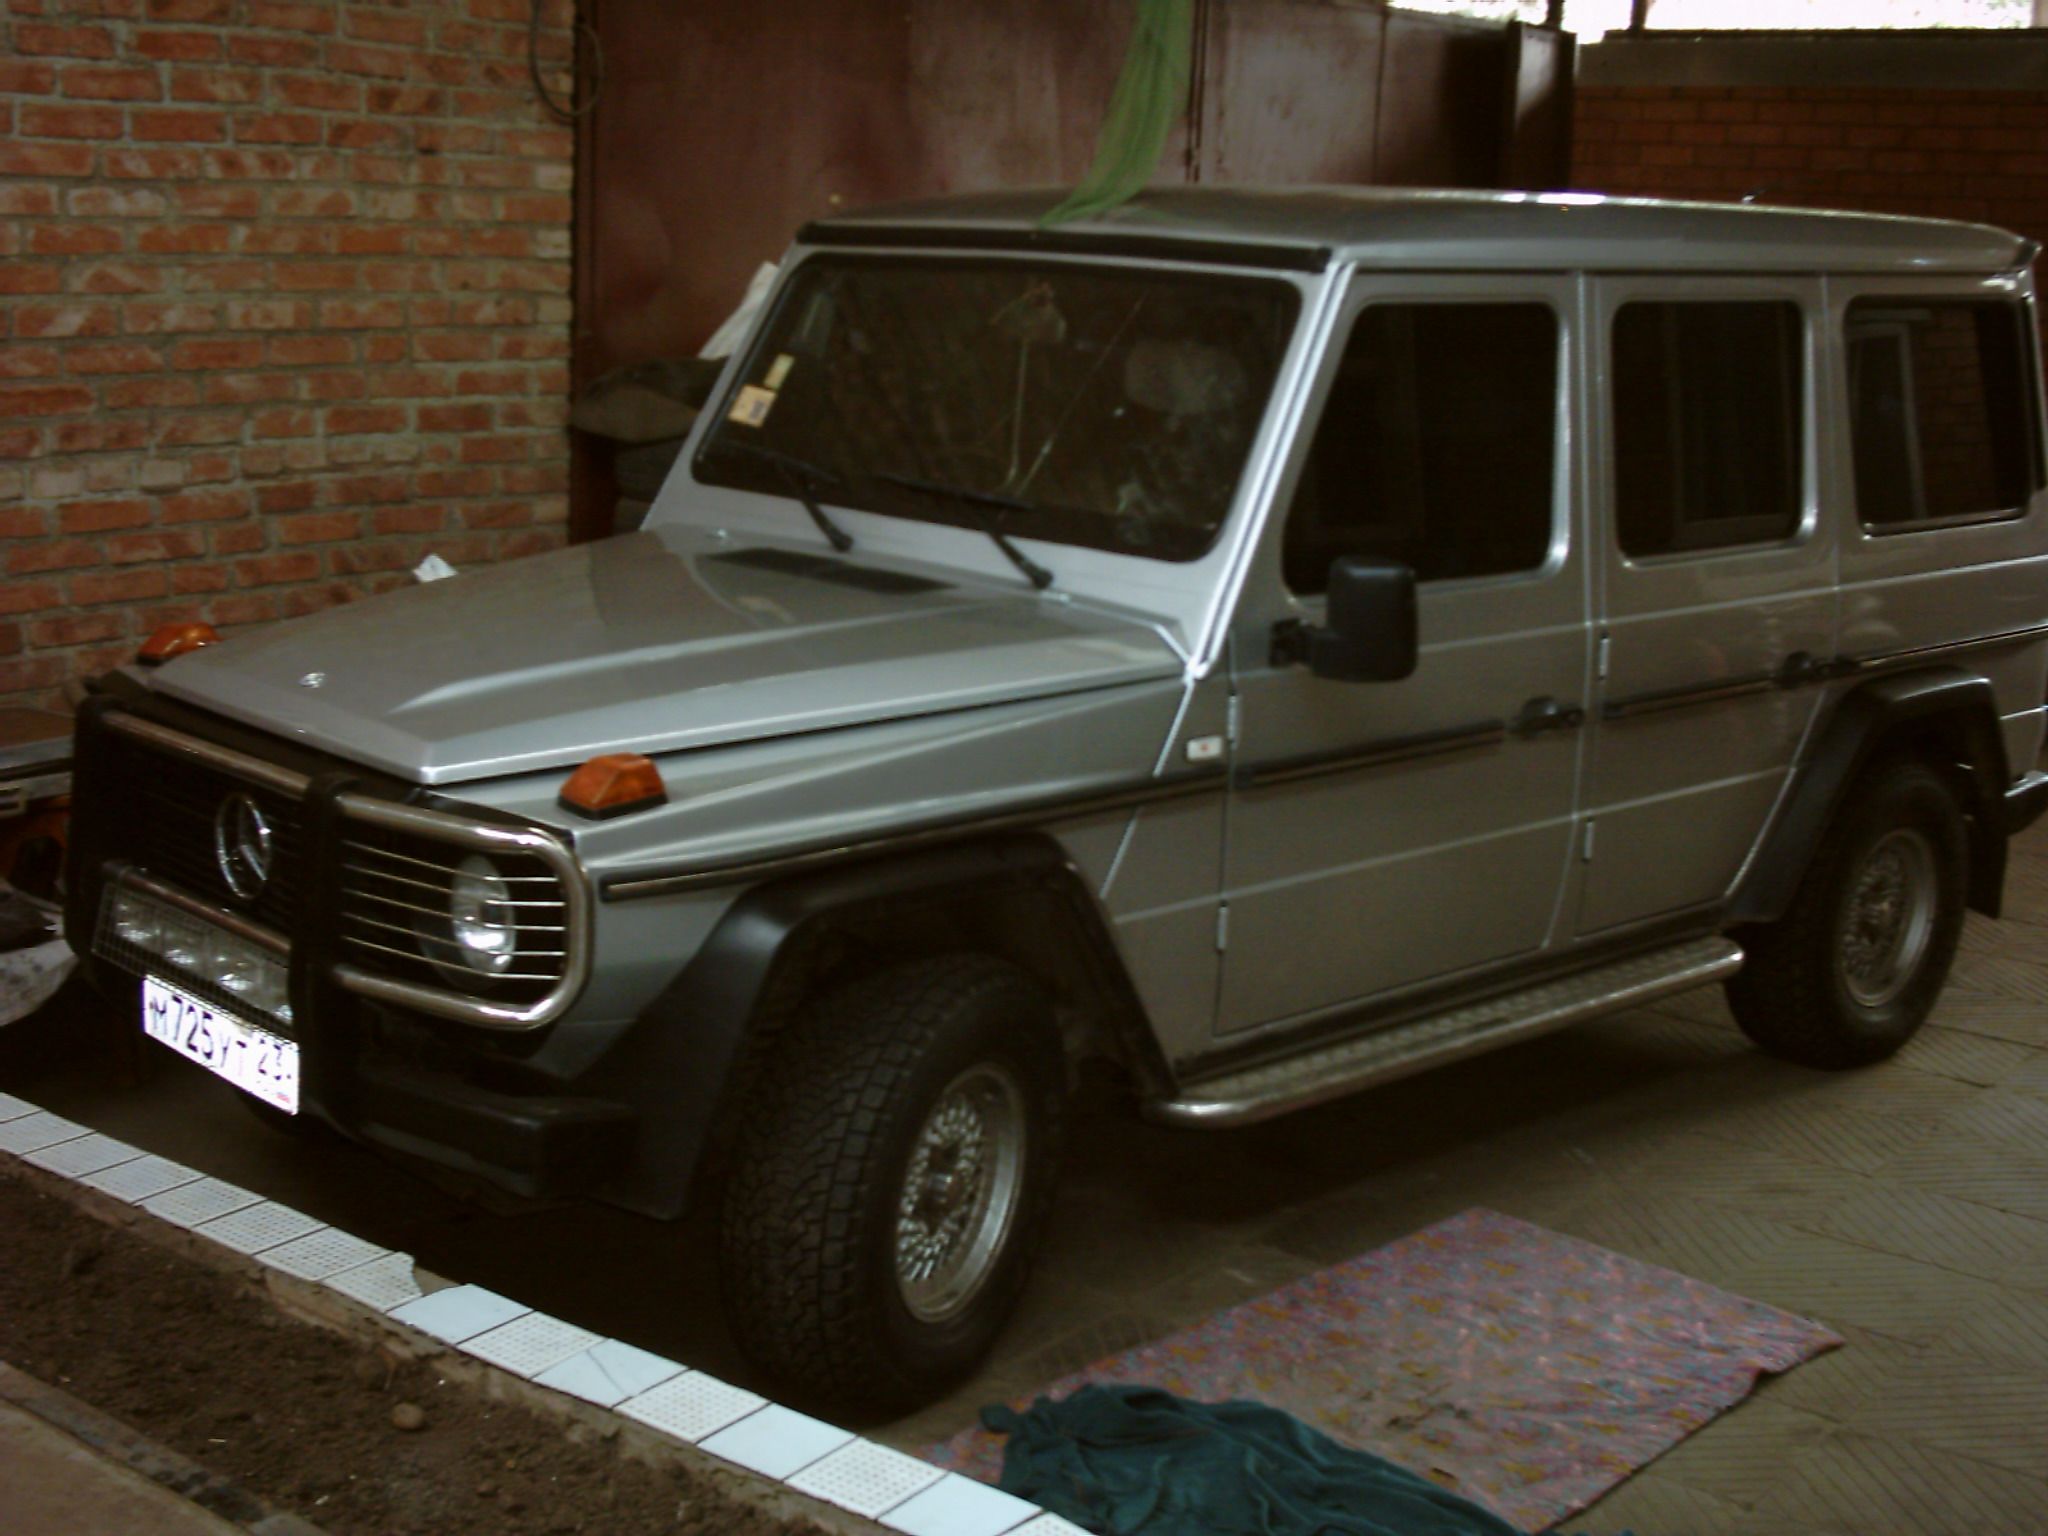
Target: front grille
398 874
176 807
397 891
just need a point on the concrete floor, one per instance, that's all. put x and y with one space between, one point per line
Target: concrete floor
57 1486
1905 1205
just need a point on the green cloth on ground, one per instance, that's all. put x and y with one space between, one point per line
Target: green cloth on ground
1150 95
1136 1461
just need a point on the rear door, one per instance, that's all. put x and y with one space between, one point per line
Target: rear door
1716 583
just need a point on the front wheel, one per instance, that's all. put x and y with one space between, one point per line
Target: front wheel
886 1191
1854 966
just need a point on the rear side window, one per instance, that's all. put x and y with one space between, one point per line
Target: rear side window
1436 448
1706 425
1940 411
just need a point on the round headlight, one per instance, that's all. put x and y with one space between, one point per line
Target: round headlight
481 917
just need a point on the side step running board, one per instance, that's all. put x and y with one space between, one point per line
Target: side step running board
1260 1093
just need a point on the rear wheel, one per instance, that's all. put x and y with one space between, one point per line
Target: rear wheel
1856 963
886 1190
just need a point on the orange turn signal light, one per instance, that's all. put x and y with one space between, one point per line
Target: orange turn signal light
612 785
175 640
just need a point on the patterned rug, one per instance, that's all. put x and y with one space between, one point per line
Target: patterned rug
1521 1368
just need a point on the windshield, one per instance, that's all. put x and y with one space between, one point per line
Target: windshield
1102 406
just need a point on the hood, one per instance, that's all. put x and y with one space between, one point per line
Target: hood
651 642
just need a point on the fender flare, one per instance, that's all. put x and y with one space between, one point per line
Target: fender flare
694 1038
1946 706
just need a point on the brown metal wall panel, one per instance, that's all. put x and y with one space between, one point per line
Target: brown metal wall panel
1291 92
1536 138
1009 94
1441 87
724 125
721 126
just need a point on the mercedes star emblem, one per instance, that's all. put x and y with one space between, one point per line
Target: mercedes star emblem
242 845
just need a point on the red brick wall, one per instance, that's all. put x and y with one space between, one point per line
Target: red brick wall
283 307
1958 154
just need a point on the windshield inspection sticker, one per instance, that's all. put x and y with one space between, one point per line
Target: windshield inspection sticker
753 405
779 369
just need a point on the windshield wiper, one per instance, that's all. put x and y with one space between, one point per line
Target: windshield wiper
1040 577
801 476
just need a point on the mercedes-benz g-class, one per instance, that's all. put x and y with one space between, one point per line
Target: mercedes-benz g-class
1268 642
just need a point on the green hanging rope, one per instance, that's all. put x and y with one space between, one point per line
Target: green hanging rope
1150 96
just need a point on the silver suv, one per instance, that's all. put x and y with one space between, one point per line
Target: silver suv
1269 643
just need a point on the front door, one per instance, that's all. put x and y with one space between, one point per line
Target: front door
1385 836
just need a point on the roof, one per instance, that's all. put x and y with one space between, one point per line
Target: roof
1305 227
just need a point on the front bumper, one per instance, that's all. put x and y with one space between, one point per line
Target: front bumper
376 1062
543 1146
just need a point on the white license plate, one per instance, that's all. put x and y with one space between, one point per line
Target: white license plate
253 1059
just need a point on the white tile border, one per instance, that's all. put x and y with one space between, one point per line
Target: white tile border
87 1154
459 1313
529 1344
382 1285
866 1478
193 1205
633 1368
959 1506
581 1376
136 1182
322 1254
36 1130
254 1228
776 1442
738 1426
692 1405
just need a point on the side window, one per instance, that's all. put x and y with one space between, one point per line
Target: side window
1706 425
1436 446
1940 411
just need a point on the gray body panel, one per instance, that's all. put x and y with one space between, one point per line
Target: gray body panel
768 796
651 642
1389 227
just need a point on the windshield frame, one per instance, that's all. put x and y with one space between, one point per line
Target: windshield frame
1293 298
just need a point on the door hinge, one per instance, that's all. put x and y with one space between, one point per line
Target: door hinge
1222 927
1586 845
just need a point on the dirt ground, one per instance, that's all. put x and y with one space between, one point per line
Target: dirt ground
302 1417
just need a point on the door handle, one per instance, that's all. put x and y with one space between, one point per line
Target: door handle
1803 667
1546 714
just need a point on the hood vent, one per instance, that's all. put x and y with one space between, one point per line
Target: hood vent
788 562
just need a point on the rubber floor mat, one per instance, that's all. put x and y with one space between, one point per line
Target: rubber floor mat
1524 1369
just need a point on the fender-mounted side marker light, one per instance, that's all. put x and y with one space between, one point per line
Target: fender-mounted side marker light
612 785
175 640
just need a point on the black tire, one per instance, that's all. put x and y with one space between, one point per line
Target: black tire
812 1259
1848 974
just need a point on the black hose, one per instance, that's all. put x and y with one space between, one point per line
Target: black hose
579 30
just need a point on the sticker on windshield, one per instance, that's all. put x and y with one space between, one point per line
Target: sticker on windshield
753 405
779 369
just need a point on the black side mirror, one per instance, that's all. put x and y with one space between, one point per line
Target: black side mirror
1370 636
